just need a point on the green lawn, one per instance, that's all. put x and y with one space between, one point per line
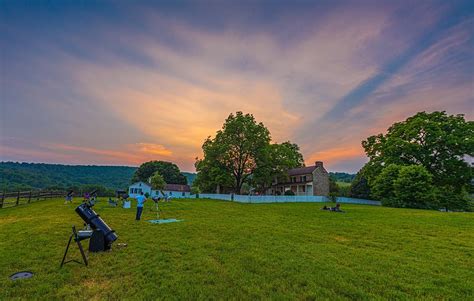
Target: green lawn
228 250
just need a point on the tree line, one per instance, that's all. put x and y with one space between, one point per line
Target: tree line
106 179
421 162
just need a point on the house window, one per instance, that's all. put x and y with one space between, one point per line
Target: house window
304 188
304 178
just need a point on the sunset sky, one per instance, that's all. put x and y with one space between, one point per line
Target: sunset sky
121 83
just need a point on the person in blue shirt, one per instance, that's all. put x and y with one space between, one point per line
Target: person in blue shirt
140 201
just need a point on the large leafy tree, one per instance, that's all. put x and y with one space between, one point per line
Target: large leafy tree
437 141
413 188
234 154
275 163
169 171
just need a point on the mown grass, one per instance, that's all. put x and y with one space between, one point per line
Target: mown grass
228 250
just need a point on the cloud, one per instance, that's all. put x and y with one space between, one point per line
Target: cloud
123 90
154 149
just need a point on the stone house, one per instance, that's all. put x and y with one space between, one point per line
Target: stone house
309 180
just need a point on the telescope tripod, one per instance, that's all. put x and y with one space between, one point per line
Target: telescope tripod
78 241
157 210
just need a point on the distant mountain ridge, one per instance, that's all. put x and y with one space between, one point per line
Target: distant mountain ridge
342 176
15 176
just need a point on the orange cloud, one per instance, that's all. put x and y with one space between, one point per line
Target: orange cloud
154 149
336 154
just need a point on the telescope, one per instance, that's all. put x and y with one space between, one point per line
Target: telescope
102 236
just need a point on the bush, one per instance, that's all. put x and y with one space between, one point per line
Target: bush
195 190
289 192
383 186
414 189
344 190
360 187
450 199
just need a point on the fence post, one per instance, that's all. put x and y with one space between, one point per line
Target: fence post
18 198
51 194
1 200
29 197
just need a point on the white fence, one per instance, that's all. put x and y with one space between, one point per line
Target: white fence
283 199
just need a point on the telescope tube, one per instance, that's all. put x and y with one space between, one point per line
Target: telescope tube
97 223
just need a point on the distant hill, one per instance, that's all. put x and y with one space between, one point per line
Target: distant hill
14 176
190 177
342 176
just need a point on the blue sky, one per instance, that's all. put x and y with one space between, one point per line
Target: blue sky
111 82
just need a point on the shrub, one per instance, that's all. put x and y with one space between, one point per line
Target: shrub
289 192
360 188
450 199
383 186
413 188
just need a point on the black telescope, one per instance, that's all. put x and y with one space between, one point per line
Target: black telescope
103 236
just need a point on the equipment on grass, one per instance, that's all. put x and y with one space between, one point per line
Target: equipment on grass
78 236
21 275
164 221
156 200
97 224
113 203
100 234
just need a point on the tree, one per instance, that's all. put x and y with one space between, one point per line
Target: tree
413 188
333 186
450 199
437 141
169 171
275 163
236 152
360 185
157 181
383 186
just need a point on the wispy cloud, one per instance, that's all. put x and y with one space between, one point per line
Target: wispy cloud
140 83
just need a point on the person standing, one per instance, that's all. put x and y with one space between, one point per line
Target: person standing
69 197
140 202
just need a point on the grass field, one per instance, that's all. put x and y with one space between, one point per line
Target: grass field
228 250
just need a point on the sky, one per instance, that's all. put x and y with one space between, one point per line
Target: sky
125 82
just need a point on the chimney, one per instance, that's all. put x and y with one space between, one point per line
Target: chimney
319 164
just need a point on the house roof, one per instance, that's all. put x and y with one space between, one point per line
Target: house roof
177 187
140 182
301 171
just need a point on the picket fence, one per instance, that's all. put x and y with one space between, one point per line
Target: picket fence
256 199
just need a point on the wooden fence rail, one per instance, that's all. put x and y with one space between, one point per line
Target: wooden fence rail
13 199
